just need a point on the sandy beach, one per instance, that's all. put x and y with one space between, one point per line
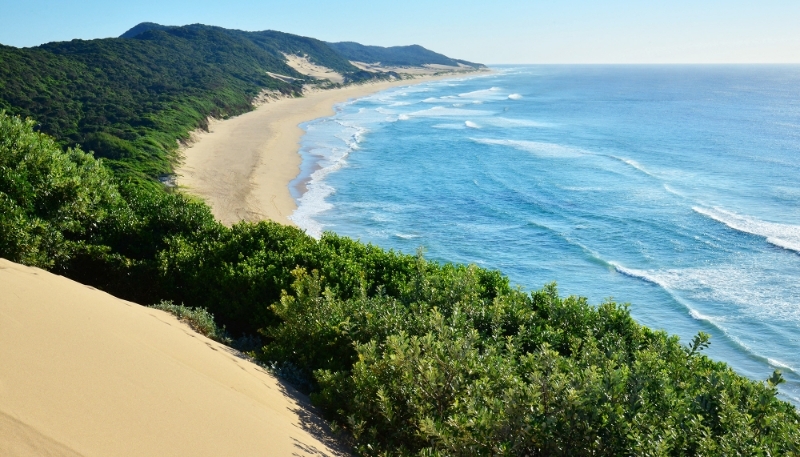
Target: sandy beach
87 374
242 166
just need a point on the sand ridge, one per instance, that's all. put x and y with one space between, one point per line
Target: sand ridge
242 166
305 66
86 374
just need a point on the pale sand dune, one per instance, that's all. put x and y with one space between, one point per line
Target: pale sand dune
242 167
308 68
83 373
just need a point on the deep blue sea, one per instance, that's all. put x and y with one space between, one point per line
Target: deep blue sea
673 188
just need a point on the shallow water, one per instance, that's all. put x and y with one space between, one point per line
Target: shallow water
674 188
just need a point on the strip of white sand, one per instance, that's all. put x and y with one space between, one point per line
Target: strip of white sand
83 373
243 166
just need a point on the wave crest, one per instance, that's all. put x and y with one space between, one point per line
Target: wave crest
784 236
536 147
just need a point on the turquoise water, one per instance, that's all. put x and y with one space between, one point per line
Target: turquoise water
674 188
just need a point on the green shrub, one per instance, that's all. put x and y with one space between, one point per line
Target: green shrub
199 319
54 203
445 370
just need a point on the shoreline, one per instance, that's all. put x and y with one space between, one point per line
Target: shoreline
242 166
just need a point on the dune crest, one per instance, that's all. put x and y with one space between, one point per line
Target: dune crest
85 373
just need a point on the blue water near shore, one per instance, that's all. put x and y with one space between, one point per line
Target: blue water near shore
674 188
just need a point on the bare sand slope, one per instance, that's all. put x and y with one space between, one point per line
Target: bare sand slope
243 166
83 373
306 67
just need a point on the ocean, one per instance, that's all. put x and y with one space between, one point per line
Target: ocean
673 188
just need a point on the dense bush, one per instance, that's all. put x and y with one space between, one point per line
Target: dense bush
410 357
252 264
53 203
445 370
199 319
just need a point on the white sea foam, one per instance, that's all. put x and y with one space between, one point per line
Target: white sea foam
538 148
441 111
632 163
697 315
483 93
674 282
380 217
515 97
756 292
406 236
672 191
778 364
403 117
377 233
449 126
330 156
445 99
472 125
585 188
312 203
513 123
781 235
639 274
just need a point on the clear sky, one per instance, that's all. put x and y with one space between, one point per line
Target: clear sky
486 31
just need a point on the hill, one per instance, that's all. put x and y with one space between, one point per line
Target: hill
129 100
143 27
401 56
276 43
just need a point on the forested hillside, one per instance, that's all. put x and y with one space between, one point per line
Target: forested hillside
402 56
129 100
273 42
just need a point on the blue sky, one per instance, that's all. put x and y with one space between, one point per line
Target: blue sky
497 31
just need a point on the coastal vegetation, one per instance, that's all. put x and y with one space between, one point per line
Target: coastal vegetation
405 356
401 56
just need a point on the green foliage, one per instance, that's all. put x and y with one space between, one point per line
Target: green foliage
130 100
410 357
53 203
140 28
445 370
276 43
403 56
317 51
199 319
